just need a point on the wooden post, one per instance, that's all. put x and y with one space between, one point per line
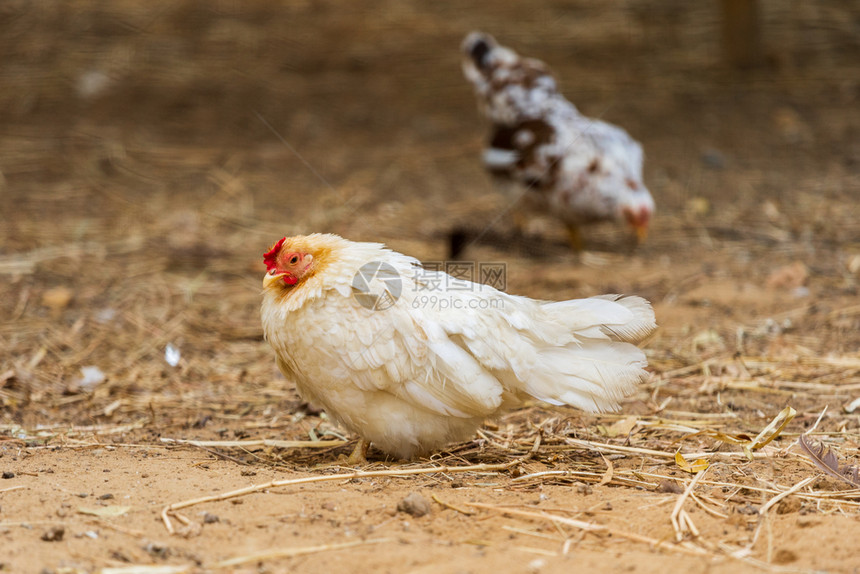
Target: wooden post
741 33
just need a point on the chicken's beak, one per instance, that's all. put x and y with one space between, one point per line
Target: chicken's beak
641 232
269 279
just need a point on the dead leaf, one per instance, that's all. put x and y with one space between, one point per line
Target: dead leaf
621 427
105 511
770 432
826 460
739 438
56 299
774 429
697 465
610 472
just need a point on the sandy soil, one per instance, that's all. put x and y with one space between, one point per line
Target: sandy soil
149 155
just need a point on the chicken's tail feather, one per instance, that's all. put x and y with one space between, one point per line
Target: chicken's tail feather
603 364
593 375
616 317
640 326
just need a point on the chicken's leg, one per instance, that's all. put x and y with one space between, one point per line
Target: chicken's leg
575 238
359 454
520 221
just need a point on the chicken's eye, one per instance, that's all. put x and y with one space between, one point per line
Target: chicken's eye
294 259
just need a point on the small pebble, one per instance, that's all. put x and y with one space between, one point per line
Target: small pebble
156 549
748 509
8 474
210 518
784 556
788 505
669 486
414 504
106 496
54 534
120 555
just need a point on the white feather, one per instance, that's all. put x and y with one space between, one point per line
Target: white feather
495 158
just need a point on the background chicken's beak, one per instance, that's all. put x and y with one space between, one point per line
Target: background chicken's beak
641 232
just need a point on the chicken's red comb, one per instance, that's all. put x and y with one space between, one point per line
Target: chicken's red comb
270 255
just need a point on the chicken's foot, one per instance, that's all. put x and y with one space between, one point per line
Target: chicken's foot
359 454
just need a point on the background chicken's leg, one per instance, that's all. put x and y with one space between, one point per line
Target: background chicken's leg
574 237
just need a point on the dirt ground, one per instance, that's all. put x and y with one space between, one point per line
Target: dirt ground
149 154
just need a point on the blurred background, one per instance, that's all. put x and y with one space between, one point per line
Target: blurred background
151 152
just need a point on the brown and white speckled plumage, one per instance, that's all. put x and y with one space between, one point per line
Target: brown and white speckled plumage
579 169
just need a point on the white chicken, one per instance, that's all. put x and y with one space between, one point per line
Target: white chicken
411 359
578 169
